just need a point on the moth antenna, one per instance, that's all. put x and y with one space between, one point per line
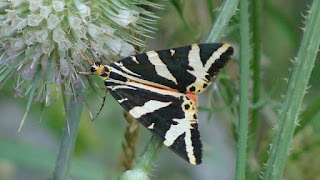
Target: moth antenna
99 56
91 48
103 101
86 58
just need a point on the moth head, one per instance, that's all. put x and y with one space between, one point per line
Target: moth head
97 68
101 70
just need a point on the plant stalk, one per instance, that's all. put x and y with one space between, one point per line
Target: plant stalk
296 89
226 12
69 136
144 165
256 69
244 90
149 155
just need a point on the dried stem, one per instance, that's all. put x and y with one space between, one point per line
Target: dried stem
129 144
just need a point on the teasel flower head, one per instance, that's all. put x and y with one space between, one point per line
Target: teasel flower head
41 41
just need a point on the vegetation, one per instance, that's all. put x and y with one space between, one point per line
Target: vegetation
253 124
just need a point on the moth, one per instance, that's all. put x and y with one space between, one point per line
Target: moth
159 89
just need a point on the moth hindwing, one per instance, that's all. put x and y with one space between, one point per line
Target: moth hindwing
159 89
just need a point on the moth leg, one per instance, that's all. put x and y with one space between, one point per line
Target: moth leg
81 73
103 101
84 73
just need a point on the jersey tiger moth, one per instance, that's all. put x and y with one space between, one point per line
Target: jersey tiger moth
159 89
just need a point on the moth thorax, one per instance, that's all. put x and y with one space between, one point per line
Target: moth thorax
104 71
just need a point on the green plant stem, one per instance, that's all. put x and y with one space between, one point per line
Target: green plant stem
149 155
296 89
69 136
228 9
244 90
256 69
144 165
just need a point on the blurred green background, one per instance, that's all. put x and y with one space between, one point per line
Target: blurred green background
31 154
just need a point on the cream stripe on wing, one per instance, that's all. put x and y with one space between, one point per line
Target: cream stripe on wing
120 65
113 88
183 126
148 107
156 90
195 62
138 79
134 59
160 67
216 55
122 100
134 85
200 70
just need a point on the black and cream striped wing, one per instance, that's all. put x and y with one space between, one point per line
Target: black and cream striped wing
169 115
186 69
